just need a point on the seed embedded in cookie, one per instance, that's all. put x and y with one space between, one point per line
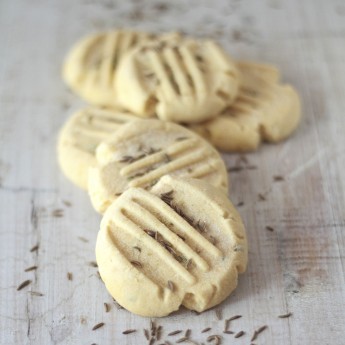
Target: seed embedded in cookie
177 79
178 262
141 152
80 136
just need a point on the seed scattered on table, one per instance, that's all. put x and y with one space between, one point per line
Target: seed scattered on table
106 307
99 325
261 197
83 239
278 178
93 264
284 316
69 276
219 314
206 329
257 332
228 332
32 268
36 293
269 228
187 333
239 334
24 284
129 331
118 305
216 338
58 212
235 317
159 333
226 326
34 248
234 169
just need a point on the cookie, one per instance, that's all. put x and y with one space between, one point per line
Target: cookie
91 65
183 243
140 152
268 72
178 80
80 136
265 110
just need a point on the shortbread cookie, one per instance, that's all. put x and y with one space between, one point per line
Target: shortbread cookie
80 136
90 67
264 110
180 80
183 243
268 72
139 153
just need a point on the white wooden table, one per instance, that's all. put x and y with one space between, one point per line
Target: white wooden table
298 267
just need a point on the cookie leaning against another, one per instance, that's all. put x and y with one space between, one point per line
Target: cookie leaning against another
179 80
140 152
80 136
264 110
91 65
183 243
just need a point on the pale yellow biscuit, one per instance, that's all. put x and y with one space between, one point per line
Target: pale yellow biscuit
91 65
265 110
268 72
139 153
183 243
80 136
179 80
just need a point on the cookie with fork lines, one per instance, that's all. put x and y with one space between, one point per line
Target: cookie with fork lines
91 65
182 243
80 136
140 152
179 80
264 110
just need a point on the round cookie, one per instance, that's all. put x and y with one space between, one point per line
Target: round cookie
183 243
140 152
90 67
80 136
264 110
179 80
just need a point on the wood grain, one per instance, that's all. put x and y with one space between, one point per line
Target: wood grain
298 267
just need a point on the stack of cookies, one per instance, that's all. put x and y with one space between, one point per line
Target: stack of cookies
169 235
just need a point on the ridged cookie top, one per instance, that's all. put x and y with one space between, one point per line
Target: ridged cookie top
88 127
180 80
263 110
143 151
80 136
184 243
90 67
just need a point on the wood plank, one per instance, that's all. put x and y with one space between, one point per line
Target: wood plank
298 267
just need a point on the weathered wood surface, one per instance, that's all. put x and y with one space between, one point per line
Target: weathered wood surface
298 267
